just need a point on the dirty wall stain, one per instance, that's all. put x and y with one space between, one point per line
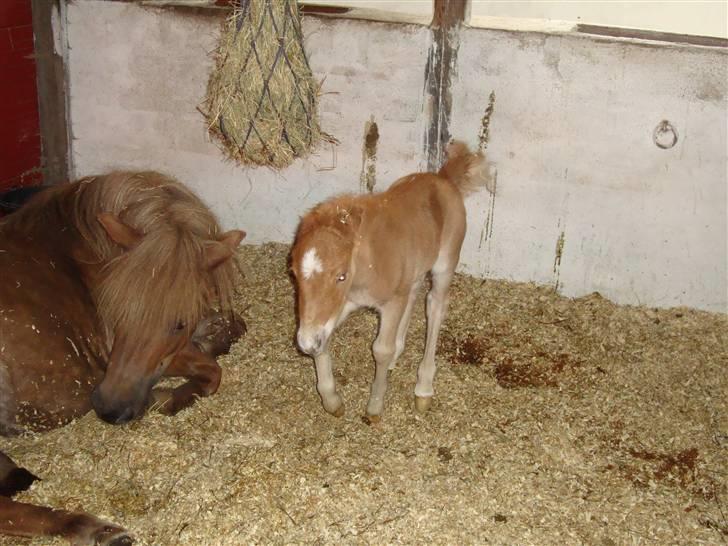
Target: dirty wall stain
368 177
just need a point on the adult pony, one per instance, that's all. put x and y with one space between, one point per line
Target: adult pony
375 251
104 284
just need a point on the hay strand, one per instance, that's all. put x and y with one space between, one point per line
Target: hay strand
555 421
261 99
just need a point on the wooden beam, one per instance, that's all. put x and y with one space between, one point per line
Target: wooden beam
52 90
448 16
448 13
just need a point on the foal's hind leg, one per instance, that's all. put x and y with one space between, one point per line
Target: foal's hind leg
404 324
384 350
436 309
27 520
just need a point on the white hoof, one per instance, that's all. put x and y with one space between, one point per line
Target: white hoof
337 410
422 403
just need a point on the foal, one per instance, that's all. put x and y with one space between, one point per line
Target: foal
375 251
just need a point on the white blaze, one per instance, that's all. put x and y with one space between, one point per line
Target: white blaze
311 264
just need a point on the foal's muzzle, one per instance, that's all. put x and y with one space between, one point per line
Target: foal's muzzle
311 344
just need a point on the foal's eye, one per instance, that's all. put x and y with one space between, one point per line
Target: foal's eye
341 277
178 327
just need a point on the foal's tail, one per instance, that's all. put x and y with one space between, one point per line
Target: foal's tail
467 170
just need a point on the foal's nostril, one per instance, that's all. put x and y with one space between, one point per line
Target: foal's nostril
310 344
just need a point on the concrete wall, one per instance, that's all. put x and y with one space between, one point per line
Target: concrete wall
686 17
580 176
586 201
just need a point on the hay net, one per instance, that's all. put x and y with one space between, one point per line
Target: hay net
261 97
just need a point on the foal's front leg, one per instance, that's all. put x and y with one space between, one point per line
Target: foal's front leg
203 375
325 383
385 349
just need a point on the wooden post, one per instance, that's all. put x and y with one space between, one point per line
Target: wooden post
52 90
441 61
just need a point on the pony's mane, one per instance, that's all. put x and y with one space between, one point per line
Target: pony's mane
163 279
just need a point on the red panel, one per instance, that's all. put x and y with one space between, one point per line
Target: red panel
22 39
20 151
15 13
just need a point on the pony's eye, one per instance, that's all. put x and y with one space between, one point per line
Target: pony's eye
341 277
178 327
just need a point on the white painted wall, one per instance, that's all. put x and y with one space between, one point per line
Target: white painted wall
571 135
696 17
137 76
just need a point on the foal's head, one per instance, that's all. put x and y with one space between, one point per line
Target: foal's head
162 263
322 262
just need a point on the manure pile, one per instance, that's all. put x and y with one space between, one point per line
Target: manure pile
555 421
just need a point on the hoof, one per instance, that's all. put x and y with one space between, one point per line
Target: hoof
216 333
91 531
338 412
118 539
422 403
162 401
371 419
113 537
18 479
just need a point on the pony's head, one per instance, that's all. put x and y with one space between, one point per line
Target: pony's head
161 263
322 262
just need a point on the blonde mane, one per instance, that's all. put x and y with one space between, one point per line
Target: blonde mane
161 280
334 215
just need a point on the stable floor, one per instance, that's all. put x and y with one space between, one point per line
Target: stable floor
555 421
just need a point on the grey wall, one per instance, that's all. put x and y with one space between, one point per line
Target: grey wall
585 199
572 133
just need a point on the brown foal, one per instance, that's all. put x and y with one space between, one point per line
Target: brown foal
376 251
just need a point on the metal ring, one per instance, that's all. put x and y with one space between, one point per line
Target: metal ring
664 135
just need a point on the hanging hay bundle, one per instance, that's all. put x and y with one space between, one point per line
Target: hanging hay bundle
261 97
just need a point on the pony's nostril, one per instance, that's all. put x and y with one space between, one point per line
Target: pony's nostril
125 416
108 416
116 416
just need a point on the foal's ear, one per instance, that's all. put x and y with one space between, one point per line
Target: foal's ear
123 235
221 250
351 217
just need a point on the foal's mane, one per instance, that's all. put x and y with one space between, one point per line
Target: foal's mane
161 280
335 215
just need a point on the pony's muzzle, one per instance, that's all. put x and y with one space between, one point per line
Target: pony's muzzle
116 412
